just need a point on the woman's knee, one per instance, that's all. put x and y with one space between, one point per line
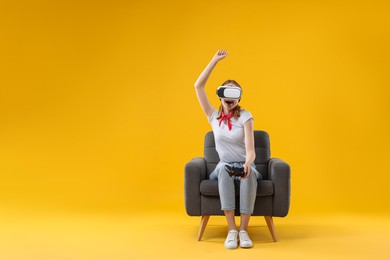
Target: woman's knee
249 184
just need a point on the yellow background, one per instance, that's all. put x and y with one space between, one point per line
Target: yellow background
99 112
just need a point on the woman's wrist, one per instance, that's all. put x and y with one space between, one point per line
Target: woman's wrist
249 163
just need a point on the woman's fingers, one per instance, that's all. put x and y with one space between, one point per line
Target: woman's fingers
220 54
247 172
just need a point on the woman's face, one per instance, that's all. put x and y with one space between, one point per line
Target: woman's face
229 104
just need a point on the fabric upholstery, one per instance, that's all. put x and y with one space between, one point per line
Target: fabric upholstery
273 192
210 188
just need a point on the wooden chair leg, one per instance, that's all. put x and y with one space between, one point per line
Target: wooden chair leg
203 224
271 227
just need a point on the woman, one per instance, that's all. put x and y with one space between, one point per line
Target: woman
234 141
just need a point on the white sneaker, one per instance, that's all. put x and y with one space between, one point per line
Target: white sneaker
231 241
245 241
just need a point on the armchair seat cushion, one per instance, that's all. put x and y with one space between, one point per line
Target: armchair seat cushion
210 188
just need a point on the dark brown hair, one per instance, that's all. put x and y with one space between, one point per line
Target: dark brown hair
237 109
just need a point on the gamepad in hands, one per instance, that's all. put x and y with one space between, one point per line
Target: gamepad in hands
235 171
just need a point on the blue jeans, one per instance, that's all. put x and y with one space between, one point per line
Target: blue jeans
248 187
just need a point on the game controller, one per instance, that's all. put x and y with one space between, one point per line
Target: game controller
235 171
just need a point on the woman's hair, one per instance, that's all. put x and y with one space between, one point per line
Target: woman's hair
237 109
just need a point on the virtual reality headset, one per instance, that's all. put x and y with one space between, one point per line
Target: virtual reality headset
229 92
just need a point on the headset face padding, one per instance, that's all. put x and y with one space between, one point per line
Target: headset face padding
238 100
229 92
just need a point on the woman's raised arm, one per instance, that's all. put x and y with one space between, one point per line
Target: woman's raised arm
201 82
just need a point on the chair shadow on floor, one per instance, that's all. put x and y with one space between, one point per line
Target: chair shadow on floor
259 233
216 233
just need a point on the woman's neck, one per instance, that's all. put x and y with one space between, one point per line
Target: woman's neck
226 111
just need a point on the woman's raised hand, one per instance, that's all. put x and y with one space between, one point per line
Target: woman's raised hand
220 55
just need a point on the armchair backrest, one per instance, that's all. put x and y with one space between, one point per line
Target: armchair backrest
262 150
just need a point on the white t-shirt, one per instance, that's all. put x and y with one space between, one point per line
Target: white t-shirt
230 145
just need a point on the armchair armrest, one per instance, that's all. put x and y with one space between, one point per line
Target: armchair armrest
279 174
194 173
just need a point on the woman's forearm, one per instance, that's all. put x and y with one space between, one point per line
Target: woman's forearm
201 81
250 158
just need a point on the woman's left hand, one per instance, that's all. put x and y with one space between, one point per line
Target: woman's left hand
247 170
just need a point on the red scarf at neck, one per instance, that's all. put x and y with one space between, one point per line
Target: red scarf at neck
227 117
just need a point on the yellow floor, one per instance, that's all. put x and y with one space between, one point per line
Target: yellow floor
172 235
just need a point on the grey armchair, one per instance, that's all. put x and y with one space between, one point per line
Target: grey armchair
273 192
